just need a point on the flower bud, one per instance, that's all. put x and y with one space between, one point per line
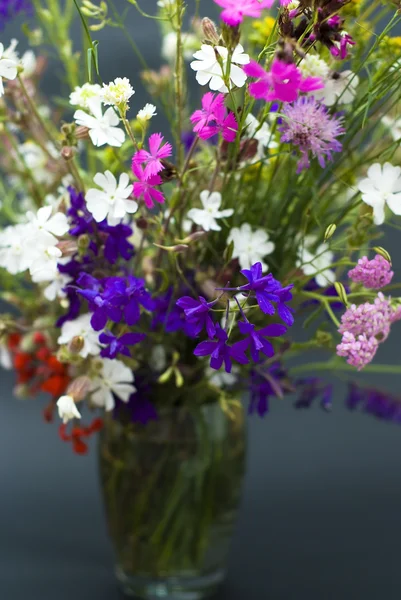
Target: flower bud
83 242
81 132
330 231
67 247
76 344
79 388
210 31
383 253
178 248
67 152
342 294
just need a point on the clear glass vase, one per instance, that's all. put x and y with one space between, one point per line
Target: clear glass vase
171 492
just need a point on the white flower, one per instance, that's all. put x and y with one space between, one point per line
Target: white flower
207 216
146 113
27 62
117 92
316 264
111 200
81 327
5 357
67 409
55 288
15 254
88 96
158 360
222 379
210 71
250 246
45 227
169 45
341 88
44 263
8 69
114 377
382 186
261 133
394 125
313 66
102 128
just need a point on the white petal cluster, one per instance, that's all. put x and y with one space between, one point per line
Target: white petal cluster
118 92
250 246
67 409
27 62
113 377
313 66
86 96
111 201
338 88
8 68
211 66
81 327
146 113
103 128
382 187
316 264
207 216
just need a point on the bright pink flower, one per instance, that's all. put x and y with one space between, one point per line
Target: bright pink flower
235 10
145 188
283 82
212 118
373 274
152 159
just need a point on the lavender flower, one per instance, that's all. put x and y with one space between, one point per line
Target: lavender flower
265 383
309 126
369 319
119 345
256 339
373 274
220 352
378 403
197 315
11 8
359 350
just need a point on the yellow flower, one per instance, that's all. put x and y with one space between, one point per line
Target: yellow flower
352 9
263 29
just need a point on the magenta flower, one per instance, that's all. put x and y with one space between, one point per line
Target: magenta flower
282 83
145 188
359 350
373 274
152 159
212 118
235 10
309 126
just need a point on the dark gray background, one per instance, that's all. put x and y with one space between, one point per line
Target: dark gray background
321 513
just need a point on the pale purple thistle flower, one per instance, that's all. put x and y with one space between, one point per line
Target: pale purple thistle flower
359 350
373 274
309 126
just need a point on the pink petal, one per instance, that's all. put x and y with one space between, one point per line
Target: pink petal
140 157
154 143
259 89
253 69
309 84
165 151
137 170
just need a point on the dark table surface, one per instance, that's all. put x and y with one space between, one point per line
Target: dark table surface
321 512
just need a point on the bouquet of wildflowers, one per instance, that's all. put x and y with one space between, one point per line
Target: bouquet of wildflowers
149 265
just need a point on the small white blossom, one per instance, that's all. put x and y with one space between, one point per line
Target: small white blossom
207 216
158 360
45 227
117 92
87 96
394 126
250 246
221 379
5 357
103 128
313 66
169 45
261 133
55 288
316 264
15 254
382 186
8 69
210 71
339 88
114 377
111 200
146 113
44 263
27 62
81 327
67 409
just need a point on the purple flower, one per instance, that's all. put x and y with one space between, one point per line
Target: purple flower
103 303
372 274
312 388
309 126
378 403
264 384
117 243
256 340
136 296
138 409
119 345
220 352
197 315
11 8
268 291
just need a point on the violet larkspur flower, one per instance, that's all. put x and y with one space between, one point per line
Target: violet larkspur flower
197 315
103 303
153 158
268 291
145 188
309 126
283 82
220 352
256 339
119 345
373 274
11 8
378 403
265 383
213 119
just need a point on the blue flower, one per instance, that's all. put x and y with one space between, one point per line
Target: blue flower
197 315
265 383
220 352
256 340
10 8
269 291
117 243
103 303
119 345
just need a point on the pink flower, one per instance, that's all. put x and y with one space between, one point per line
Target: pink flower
373 274
145 188
283 82
235 10
152 159
359 350
212 118
374 319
